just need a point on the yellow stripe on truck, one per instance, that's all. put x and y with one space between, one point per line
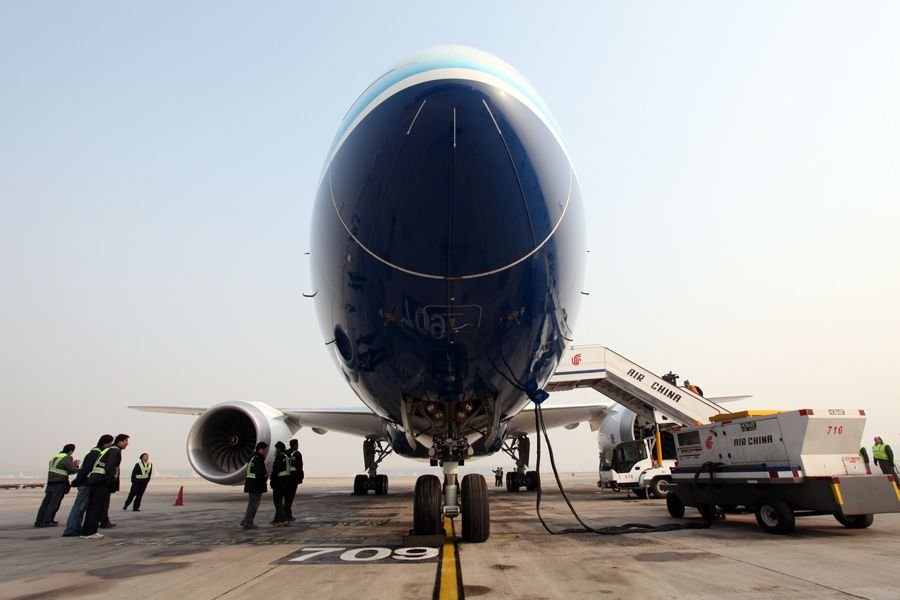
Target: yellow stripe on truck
836 489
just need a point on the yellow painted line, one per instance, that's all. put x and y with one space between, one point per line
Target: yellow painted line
837 494
450 580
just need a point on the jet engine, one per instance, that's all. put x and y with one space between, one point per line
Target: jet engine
224 438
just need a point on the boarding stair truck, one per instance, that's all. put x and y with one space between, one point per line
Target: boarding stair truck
635 466
780 465
628 455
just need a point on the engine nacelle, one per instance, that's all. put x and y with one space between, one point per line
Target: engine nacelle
224 438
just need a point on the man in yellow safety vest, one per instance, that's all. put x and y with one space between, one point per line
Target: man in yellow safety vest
61 466
883 456
255 483
140 477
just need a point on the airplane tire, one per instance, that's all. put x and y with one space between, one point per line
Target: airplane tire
774 515
427 506
512 482
476 511
675 506
532 481
361 485
381 485
855 521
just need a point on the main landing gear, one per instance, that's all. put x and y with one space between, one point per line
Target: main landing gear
374 451
520 451
432 502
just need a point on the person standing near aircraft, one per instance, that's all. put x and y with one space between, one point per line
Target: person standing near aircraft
282 479
498 477
883 456
296 462
76 513
255 484
103 481
140 477
61 466
694 388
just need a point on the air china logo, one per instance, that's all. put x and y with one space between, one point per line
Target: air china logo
576 360
709 443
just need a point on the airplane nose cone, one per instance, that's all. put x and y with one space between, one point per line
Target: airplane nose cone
450 179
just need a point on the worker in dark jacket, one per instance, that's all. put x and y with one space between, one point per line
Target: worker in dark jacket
296 478
282 480
255 483
140 477
103 481
76 514
61 466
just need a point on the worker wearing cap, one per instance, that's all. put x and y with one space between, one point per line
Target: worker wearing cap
883 456
61 466
255 483
282 480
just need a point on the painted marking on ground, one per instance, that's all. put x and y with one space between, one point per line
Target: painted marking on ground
352 555
448 583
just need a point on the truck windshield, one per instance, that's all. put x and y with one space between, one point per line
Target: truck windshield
627 454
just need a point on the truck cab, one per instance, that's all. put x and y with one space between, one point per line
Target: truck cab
633 466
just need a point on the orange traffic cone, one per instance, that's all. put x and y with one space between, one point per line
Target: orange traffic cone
179 501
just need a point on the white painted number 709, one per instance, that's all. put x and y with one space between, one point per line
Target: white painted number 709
369 554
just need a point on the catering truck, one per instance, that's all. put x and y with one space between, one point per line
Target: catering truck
780 465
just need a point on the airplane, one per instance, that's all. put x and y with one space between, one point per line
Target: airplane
447 257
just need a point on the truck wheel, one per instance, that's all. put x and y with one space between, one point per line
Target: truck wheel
675 506
640 493
659 487
855 521
775 516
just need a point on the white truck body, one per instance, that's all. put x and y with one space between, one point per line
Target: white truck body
780 464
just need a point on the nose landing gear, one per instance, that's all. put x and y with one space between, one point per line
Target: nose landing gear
470 500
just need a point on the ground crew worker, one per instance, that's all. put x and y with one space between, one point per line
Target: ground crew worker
140 477
296 478
255 484
865 456
282 479
76 513
694 388
61 466
883 456
498 477
103 481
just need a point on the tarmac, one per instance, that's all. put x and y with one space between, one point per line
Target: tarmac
343 546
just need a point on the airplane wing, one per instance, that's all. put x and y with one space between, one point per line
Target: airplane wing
356 420
560 416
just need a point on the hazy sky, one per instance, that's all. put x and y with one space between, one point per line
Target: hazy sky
740 164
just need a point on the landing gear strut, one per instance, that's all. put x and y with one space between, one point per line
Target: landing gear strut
374 451
519 449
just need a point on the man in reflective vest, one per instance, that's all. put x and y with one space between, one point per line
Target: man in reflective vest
282 479
61 466
255 483
296 462
140 477
103 480
76 514
883 456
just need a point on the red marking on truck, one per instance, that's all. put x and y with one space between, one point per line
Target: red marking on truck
709 443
